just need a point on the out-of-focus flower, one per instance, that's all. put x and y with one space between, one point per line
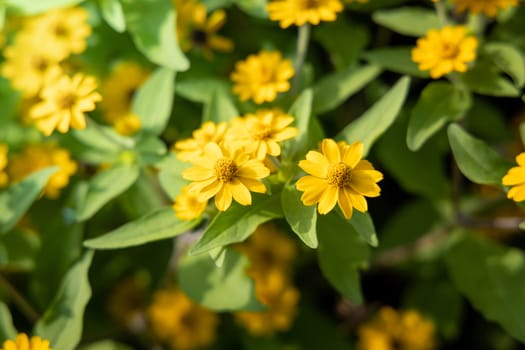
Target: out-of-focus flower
488 7
3 164
128 124
193 147
262 76
23 342
515 177
37 156
127 300
337 175
178 321
299 12
444 51
187 205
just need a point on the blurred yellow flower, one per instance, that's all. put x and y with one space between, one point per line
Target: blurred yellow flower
37 156
64 101
261 77
196 30
393 330
127 300
179 322
3 164
445 50
488 7
299 12
515 177
187 205
128 124
23 342
191 148
226 173
338 176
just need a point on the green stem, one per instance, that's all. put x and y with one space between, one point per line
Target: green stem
116 140
19 300
441 11
302 48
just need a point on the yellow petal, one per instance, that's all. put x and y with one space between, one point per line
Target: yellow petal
517 193
353 154
331 151
328 199
253 185
520 159
345 203
197 173
514 176
315 164
223 199
240 192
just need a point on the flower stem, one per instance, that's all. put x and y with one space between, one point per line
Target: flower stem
302 48
19 300
441 12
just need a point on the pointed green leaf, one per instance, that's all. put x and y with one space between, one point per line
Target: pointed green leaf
170 175
220 107
364 226
413 21
21 249
301 110
201 89
32 7
113 14
255 8
7 328
395 59
509 59
485 79
302 219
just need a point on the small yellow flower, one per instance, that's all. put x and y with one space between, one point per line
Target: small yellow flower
226 173
191 148
338 176
178 321
444 51
38 156
23 342
127 300
3 164
128 124
299 12
515 177
488 7
64 101
187 205
261 77
393 330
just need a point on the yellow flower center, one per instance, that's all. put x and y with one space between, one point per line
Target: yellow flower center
60 31
40 64
199 37
340 175
66 101
310 4
263 133
449 50
225 169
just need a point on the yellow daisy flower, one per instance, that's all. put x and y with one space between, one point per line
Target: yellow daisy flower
488 7
64 101
444 51
38 156
177 320
128 124
3 164
261 77
338 176
23 342
190 148
226 173
187 205
515 177
299 12
393 330
262 132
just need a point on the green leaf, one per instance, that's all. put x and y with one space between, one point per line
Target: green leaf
154 99
492 277
485 79
364 226
62 321
302 219
100 138
113 14
143 196
105 186
151 150
170 175
301 110
152 24
17 198
509 59
32 7
376 120
334 89
7 328
22 248
255 8
238 222
201 89
476 160
220 107
413 21
395 59
224 288
439 102
105 345
161 224
341 253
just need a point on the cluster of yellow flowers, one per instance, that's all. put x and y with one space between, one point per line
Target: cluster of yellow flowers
23 342
35 64
271 256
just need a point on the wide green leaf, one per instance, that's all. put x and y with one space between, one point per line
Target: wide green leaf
492 277
102 138
62 321
201 89
238 222
32 7
7 328
17 198
21 249
224 288
170 175
113 14
438 103
395 59
364 226
255 8
302 219
154 99
509 59
485 79
376 120
220 107
476 160
413 21
105 186
161 224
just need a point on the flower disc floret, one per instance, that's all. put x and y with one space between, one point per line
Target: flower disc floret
23 342
299 12
515 178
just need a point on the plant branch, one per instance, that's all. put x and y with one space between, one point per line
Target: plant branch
302 48
19 300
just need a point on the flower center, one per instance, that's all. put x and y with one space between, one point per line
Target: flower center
40 64
60 31
199 37
340 175
449 50
225 169
66 101
310 4
262 132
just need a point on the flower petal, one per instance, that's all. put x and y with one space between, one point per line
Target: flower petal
331 151
328 200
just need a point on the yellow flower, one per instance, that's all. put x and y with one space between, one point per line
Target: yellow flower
64 101
489 7
178 321
191 148
261 77
392 330
187 205
196 30
261 132
338 176
127 299
3 164
119 88
226 173
515 177
299 12
128 124
38 156
23 342
444 51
